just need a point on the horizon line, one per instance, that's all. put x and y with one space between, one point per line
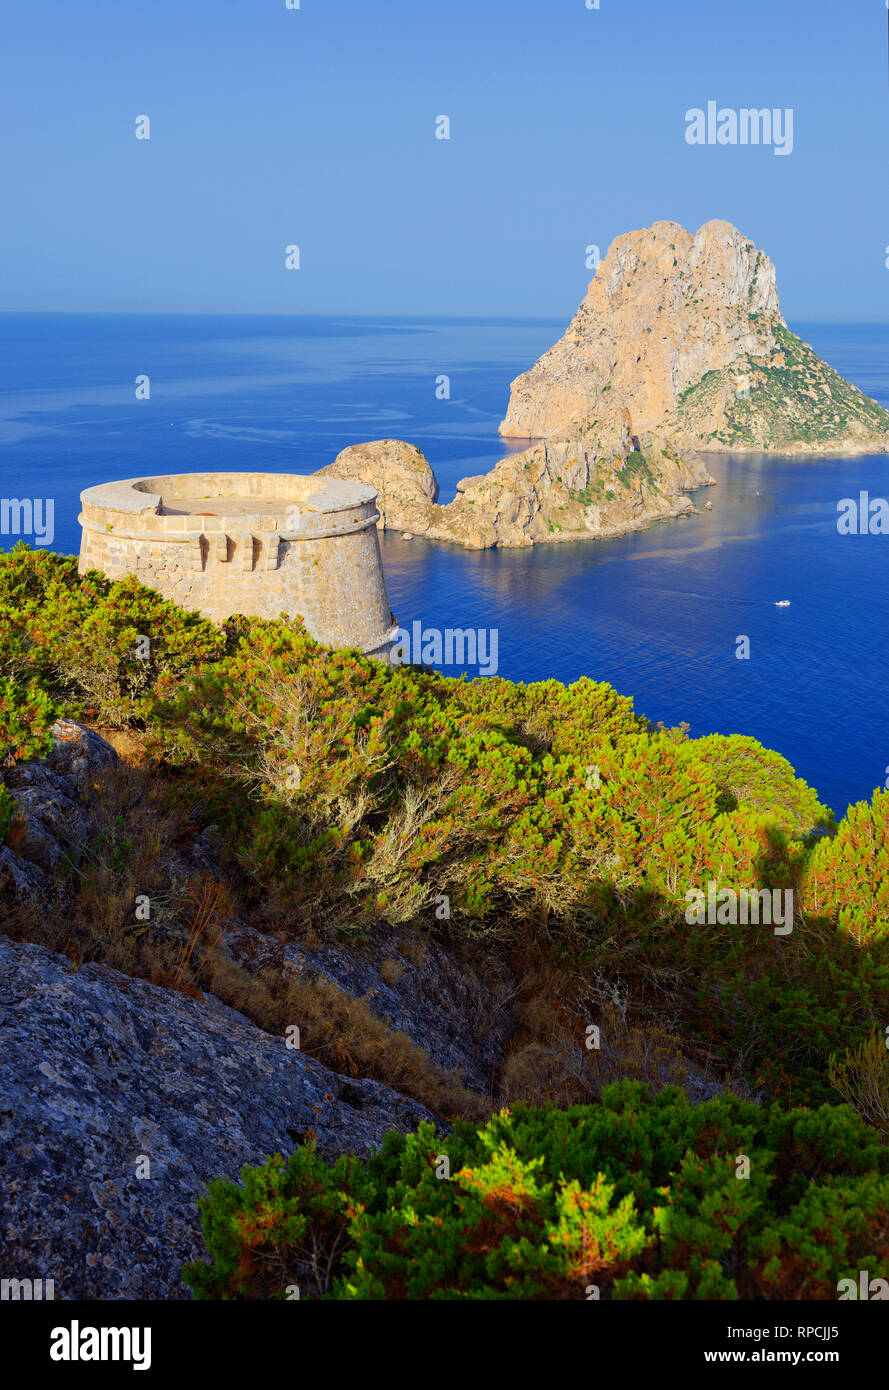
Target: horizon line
348 314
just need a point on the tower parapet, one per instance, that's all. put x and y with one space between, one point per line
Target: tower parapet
261 544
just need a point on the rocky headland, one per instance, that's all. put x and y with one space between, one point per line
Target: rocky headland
679 346
597 479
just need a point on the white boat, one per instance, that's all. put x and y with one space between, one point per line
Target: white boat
783 603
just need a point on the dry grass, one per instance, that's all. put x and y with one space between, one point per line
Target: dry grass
341 1032
391 971
133 825
550 1061
202 929
137 847
413 947
861 1076
129 744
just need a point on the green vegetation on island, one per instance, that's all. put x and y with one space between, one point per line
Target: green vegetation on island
788 400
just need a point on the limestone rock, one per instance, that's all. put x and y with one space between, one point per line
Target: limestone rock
98 1069
596 479
786 401
78 751
679 345
24 880
404 482
685 332
48 818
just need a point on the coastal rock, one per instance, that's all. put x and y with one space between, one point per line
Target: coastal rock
100 1072
404 482
597 479
786 401
686 333
678 346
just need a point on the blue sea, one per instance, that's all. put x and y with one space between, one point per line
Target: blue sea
657 613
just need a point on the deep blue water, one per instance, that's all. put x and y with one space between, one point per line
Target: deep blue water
656 613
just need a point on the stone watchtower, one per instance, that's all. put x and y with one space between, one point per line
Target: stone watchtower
253 543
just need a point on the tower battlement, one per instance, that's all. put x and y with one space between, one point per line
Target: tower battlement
261 544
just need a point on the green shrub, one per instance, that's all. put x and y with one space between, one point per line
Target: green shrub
97 646
7 811
637 1198
287 1224
26 718
847 877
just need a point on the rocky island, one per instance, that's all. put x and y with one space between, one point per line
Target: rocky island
679 346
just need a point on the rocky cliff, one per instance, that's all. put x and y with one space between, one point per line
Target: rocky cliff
686 333
596 479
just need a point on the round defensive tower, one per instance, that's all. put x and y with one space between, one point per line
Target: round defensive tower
254 543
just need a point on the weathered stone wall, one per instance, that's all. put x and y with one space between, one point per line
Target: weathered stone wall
267 544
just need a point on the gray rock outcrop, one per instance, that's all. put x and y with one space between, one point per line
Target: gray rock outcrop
100 1072
49 818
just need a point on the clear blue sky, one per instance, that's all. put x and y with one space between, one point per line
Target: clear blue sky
315 126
